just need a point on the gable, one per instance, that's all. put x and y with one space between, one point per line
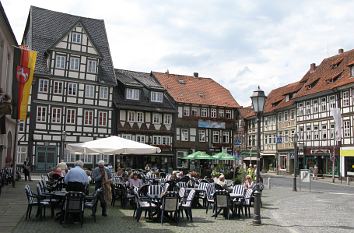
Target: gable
77 39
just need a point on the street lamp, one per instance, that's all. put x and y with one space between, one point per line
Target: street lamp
295 138
63 139
258 99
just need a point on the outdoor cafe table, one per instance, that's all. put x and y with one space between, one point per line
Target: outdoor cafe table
198 191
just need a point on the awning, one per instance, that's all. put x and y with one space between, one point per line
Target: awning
248 153
347 151
250 158
267 154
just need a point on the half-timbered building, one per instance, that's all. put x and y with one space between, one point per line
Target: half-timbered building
7 125
326 87
145 113
71 99
207 114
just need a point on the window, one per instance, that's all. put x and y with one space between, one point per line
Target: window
332 102
132 94
88 117
167 119
332 131
21 154
280 117
185 111
301 109
74 63
156 140
140 138
308 132
131 116
301 132
105 158
221 113
58 87
286 136
213 113
323 104
324 131
156 96
166 140
41 114
70 157
140 117
292 114
72 89
228 114
90 91
102 118
43 86
91 66
127 136
195 111
184 135
282 162
216 137
86 158
345 98
204 112
60 62
308 108
76 37
286 116
21 126
226 137
315 106
70 116
346 128
201 135
103 92
56 115
315 132
156 118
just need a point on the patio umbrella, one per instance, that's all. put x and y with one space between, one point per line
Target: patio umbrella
223 156
198 155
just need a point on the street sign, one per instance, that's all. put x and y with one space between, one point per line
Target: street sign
305 175
237 142
279 139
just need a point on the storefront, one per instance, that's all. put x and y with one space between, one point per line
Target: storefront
268 162
347 161
323 159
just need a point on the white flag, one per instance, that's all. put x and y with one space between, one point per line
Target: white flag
335 112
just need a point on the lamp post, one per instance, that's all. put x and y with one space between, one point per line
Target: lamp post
295 138
63 138
258 99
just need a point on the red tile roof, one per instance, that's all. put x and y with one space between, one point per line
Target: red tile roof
196 90
247 112
276 99
333 72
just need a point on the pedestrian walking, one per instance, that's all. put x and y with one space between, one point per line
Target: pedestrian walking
27 170
102 177
315 172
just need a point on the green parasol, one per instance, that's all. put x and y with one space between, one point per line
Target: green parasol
223 156
198 155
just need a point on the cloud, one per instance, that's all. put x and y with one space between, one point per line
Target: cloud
240 45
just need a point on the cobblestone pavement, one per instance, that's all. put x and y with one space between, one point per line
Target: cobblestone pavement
283 211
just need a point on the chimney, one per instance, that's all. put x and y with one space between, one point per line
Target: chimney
167 71
312 67
340 51
195 74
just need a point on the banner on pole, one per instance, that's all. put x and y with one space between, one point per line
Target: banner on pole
335 112
305 175
23 69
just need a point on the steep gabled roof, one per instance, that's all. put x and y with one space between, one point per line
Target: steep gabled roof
282 97
333 72
129 77
195 90
7 23
48 26
247 112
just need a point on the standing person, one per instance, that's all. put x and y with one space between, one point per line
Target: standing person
27 170
76 179
315 172
102 177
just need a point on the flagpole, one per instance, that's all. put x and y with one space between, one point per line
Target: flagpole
14 154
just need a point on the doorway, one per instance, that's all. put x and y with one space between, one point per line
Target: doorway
46 157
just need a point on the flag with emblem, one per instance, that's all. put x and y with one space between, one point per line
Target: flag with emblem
23 69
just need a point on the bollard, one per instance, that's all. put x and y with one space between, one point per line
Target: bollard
269 183
348 180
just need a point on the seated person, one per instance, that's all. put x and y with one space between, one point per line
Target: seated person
77 179
221 182
248 184
135 181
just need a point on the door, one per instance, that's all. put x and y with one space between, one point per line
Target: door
46 157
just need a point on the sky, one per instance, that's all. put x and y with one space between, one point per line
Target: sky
239 43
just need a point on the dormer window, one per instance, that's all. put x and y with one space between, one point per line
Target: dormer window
76 37
352 71
156 97
313 84
132 94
